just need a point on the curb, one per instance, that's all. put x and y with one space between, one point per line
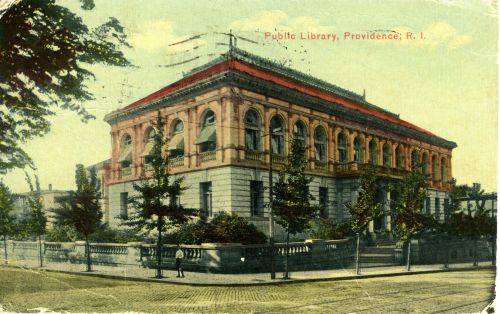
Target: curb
277 282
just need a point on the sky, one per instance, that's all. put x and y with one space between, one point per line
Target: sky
445 80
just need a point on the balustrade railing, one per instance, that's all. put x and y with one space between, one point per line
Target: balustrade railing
320 165
279 159
126 171
108 249
253 155
176 162
206 156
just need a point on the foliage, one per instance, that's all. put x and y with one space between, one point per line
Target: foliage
153 208
61 233
81 208
155 205
410 194
37 221
6 208
45 51
366 207
107 234
329 229
291 203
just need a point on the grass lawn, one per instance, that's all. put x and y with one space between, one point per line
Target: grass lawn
455 292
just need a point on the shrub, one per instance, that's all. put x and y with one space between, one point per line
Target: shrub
61 233
223 228
329 229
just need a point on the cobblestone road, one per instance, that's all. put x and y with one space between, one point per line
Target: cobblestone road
453 292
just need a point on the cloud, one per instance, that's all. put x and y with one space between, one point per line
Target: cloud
437 34
277 20
157 36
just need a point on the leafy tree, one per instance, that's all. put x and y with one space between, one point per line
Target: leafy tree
61 233
366 208
46 51
82 208
474 223
156 208
329 229
291 196
411 192
6 219
37 221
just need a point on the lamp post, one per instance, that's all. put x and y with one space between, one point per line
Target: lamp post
271 220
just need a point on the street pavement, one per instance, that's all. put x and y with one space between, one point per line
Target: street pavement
215 279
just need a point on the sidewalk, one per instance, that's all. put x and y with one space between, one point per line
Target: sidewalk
213 279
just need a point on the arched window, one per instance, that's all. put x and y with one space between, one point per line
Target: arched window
176 143
414 160
399 157
359 151
435 170
320 143
425 161
252 131
278 136
206 138
149 141
342 147
386 155
444 171
299 132
125 158
373 146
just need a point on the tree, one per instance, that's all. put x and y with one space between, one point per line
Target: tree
6 219
37 221
291 196
411 192
474 223
82 208
366 208
156 206
45 51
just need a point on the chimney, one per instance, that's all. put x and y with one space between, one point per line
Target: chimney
50 187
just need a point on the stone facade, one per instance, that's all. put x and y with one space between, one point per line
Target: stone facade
219 119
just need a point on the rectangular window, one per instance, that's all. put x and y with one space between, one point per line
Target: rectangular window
124 205
256 197
437 209
175 200
447 209
323 202
428 206
206 198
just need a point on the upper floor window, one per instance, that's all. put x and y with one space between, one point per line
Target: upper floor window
149 140
373 146
277 136
176 143
414 160
435 171
444 170
299 132
425 161
320 143
359 152
125 158
206 138
342 147
252 130
387 155
399 157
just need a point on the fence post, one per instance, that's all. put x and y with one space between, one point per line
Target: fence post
134 253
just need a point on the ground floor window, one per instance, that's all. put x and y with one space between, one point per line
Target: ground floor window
206 198
256 197
428 205
124 205
437 209
323 202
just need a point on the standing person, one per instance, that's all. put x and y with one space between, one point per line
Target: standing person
179 255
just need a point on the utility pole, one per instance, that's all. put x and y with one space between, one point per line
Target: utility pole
271 220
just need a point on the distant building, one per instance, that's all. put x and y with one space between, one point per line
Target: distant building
218 120
48 198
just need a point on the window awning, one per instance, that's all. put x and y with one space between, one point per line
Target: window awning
148 148
176 142
126 154
207 134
